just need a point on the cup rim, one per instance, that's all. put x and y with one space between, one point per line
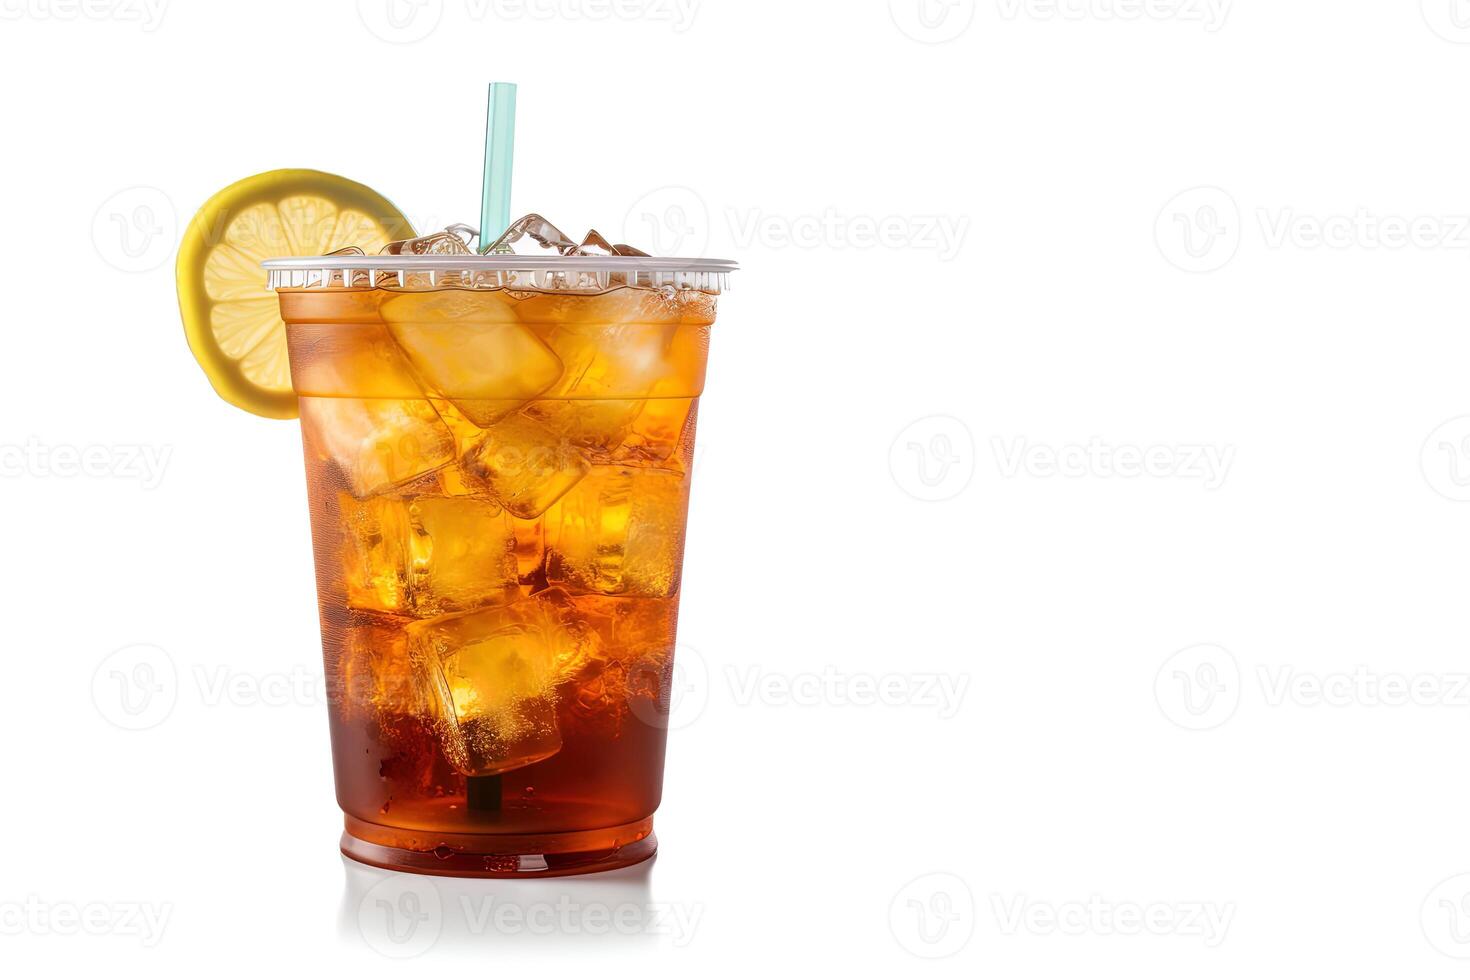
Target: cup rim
497 263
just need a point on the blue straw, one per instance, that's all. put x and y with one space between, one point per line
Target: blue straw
500 140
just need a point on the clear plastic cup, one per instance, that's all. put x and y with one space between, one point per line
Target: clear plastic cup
498 456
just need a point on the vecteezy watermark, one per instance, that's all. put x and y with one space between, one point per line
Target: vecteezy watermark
296 687
1450 19
933 458
400 21
136 687
33 458
1198 230
135 229
1210 14
833 687
675 220
408 21
1208 464
1097 916
1198 688
1363 229
1445 459
1445 917
933 916
566 916
147 14
669 221
1361 687
144 921
1202 686
670 695
942 234
678 14
932 21
401 916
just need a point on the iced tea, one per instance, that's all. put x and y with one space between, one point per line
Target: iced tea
498 479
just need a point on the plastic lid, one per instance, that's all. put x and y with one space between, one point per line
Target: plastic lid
562 272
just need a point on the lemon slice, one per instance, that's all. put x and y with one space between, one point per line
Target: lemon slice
232 320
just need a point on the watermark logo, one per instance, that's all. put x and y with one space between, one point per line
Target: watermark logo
400 21
401 916
1199 229
135 229
1363 229
566 916
677 221
1098 916
669 221
1361 688
1445 917
1445 459
1207 464
33 458
147 14
1210 14
409 21
678 14
1198 688
139 686
942 234
933 916
932 21
144 921
832 687
933 458
136 687
672 696
1450 19
300 686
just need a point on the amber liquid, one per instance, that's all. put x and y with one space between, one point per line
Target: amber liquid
498 484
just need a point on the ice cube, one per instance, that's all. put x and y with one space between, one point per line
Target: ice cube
447 481
377 443
629 629
659 432
337 278
532 235
374 573
530 548
466 433
594 244
491 677
444 242
597 426
620 531
615 348
427 555
353 359
469 346
526 466
369 670
634 643
373 685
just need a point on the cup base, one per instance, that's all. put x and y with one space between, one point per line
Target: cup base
499 855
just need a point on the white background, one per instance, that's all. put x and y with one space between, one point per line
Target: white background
1209 714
